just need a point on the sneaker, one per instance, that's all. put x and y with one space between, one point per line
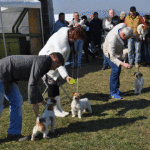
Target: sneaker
14 137
105 67
116 96
25 138
136 65
120 93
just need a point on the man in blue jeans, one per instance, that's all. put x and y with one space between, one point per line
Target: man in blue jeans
29 68
113 52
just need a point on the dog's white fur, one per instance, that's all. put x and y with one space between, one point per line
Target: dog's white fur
138 83
49 118
79 105
141 31
125 54
108 24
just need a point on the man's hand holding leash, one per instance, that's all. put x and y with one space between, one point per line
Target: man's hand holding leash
126 65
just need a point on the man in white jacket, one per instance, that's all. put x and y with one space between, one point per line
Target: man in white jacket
113 52
60 42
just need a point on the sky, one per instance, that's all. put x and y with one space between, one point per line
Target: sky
87 7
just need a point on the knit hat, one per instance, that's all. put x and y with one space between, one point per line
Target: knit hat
95 13
132 9
122 14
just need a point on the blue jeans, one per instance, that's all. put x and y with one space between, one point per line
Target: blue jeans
77 59
134 51
105 63
114 77
147 52
15 100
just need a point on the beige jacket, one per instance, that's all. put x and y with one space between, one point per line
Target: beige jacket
114 45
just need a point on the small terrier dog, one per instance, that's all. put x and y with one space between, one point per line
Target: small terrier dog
141 31
108 24
46 120
138 82
79 105
125 54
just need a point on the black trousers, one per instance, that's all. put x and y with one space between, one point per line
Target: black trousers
53 86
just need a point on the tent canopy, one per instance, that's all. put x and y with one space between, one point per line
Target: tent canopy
20 3
15 4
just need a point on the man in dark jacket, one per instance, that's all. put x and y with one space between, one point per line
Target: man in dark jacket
87 40
29 68
95 30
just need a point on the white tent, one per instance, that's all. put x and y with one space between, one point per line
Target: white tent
15 4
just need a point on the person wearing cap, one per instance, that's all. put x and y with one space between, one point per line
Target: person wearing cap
113 53
122 17
134 45
114 21
95 31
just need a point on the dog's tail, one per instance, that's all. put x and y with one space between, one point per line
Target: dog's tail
37 120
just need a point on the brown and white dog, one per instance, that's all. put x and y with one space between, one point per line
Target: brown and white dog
138 82
79 105
46 120
141 31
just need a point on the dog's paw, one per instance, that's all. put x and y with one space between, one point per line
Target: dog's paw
73 116
79 117
32 139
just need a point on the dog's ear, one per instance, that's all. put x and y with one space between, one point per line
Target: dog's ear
42 120
140 74
73 93
46 98
135 73
80 94
53 101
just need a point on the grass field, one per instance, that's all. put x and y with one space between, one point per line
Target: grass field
114 124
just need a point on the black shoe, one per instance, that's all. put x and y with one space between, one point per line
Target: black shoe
148 65
105 67
25 138
14 137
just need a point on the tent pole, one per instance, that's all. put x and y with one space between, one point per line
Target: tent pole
3 33
42 27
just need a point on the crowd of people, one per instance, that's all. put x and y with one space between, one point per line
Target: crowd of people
97 29
70 38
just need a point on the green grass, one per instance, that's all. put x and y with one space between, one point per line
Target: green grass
114 124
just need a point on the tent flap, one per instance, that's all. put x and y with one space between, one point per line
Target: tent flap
20 3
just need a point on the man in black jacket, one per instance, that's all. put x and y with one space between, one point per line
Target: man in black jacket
29 68
95 31
87 40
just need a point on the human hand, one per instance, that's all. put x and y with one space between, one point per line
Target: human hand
68 79
126 65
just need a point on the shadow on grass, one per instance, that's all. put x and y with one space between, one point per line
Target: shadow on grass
96 125
97 96
125 105
131 92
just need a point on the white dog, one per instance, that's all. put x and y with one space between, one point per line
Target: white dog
141 31
46 120
108 24
125 54
138 82
79 105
